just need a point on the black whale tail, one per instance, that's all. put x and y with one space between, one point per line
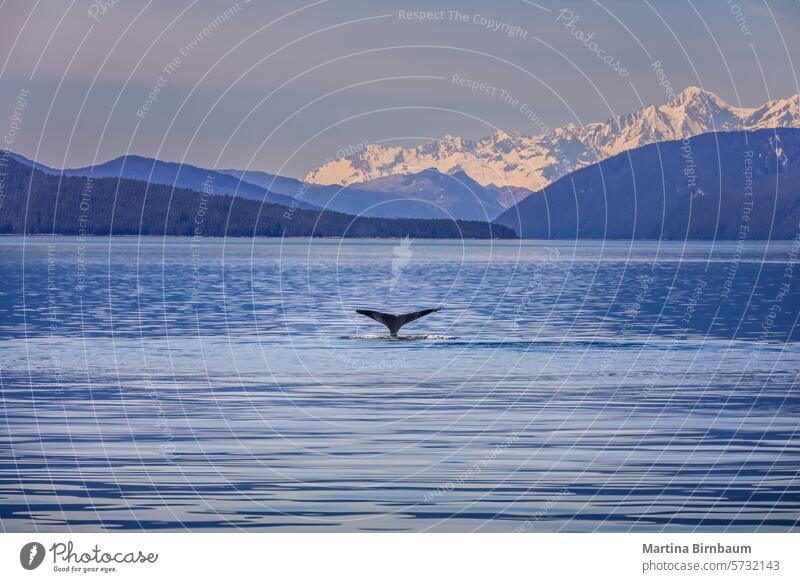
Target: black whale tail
395 322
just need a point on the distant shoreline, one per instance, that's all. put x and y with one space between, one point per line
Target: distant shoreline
245 237
350 238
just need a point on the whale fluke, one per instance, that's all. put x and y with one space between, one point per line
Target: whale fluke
395 322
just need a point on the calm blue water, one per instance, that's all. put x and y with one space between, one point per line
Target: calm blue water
227 384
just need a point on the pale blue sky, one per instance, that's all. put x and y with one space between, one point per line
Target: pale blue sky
283 97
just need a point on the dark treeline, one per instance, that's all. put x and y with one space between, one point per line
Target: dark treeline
33 202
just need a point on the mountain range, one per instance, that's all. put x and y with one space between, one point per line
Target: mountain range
425 194
655 179
722 186
178 175
429 194
532 162
37 202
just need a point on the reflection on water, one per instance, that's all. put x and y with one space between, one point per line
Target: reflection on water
171 384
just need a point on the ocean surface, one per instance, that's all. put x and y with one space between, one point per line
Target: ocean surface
179 384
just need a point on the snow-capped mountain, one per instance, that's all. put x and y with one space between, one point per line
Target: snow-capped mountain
439 195
608 200
533 162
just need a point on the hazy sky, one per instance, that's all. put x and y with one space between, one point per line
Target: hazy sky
281 86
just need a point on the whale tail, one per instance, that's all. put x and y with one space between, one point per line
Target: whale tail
395 322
